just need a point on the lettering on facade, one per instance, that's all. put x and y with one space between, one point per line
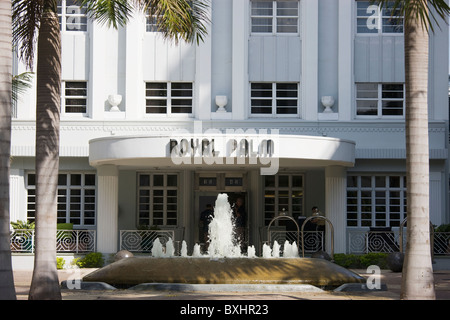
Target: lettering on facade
234 146
247 148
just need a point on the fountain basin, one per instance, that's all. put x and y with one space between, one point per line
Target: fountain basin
204 270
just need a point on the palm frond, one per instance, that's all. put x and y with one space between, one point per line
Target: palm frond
179 19
26 17
113 13
428 12
20 84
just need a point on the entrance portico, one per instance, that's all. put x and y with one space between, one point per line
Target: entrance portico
246 159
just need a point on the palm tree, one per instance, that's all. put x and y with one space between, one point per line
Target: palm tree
20 83
177 19
7 290
419 17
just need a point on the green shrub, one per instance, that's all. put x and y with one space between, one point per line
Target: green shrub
443 228
362 261
378 259
64 226
60 263
91 260
22 224
347 260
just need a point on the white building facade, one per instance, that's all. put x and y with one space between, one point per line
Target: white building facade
286 104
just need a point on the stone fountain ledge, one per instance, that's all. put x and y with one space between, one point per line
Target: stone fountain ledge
187 271
184 287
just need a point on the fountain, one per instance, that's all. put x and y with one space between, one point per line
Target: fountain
224 263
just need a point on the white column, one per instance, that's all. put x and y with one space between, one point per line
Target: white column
134 83
310 59
203 75
239 84
18 195
336 206
107 208
345 58
97 96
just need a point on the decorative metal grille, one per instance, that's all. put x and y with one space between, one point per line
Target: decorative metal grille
442 243
77 241
377 241
314 240
22 240
142 240
381 241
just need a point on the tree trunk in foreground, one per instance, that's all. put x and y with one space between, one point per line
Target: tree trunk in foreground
7 290
417 281
45 282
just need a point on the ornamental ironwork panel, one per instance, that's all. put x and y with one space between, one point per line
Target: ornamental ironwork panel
142 240
22 240
77 241
314 240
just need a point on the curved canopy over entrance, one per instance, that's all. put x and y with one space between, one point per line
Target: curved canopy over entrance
267 151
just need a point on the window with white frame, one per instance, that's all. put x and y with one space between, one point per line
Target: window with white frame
76 198
274 99
158 199
151 24
283 192
380 99
74 97
168 97
371 18
72 16
376 201
275 17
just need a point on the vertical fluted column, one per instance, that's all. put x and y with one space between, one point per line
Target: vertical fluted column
335 206
107 209
240 59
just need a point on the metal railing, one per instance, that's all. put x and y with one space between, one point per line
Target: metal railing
313 240
142 240
360 242
76 241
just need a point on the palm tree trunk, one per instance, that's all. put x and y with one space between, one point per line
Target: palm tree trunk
7 290
417 281
45 283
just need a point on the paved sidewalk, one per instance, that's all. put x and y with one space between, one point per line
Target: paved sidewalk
389 280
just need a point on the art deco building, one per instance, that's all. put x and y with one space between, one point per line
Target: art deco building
286 104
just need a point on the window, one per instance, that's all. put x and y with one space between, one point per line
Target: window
74 97
274 99
168 97
376 201
76 198
283 192
274 17
72 16
370 19
158 199
151 24
380 99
